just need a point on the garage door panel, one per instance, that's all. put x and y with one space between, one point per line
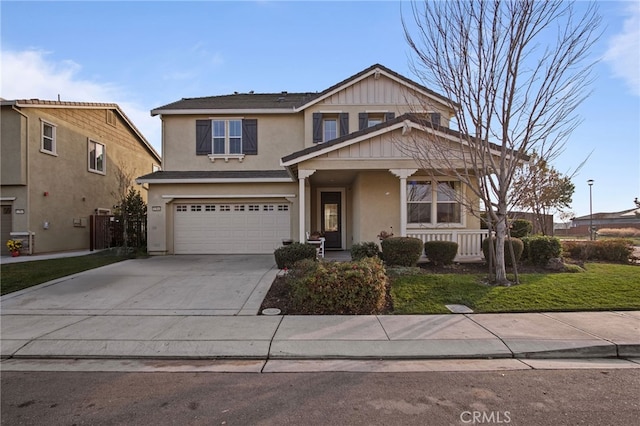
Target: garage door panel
218 229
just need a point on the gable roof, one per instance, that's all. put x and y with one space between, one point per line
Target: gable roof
285 102
409 119
40 103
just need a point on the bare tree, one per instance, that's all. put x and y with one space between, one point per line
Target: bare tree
518 70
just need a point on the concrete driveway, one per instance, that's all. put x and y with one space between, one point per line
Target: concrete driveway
162 285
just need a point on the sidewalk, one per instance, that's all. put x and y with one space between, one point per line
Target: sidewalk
454 336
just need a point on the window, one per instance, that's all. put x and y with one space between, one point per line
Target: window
209 208
196 208
329 126
181 208
48 145
227 139
433 202
329 129
373 118
96 157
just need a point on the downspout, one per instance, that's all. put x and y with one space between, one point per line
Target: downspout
28 165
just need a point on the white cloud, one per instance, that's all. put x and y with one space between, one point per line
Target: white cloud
623 49
31 74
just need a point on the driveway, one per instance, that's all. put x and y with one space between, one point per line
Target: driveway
162 285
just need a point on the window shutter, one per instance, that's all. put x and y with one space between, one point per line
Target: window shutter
250 136
435 118
389 116
203 137
362 120
317 127
344 123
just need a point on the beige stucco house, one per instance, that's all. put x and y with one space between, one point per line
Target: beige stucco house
243 172
61 163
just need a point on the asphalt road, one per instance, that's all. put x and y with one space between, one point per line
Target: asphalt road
532 397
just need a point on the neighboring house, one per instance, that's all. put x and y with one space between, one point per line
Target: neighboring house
63 162
624 219
243 172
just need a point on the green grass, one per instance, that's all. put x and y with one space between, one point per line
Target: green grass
601 287
17 276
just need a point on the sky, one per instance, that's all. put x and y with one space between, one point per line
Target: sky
146 54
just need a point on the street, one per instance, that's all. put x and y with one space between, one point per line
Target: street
527 397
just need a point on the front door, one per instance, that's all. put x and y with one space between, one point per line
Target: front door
331 219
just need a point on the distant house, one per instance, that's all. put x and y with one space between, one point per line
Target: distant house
61 163
624 219
243 172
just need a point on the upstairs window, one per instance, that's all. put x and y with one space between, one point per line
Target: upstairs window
370 119
96 157
48 142
233 138
433 202
329 126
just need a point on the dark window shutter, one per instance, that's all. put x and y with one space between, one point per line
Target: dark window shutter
317 127
435 118
363 118
250 136
344 123
203 137
389 116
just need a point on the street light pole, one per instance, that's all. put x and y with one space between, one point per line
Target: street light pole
590 182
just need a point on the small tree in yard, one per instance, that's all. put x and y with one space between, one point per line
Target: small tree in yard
132 212
541 189
516 71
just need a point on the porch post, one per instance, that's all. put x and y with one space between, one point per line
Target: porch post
302 202
403 174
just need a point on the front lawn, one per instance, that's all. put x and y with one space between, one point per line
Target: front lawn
17 276
602 286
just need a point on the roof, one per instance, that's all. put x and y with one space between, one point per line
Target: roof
390 124
198 176
625 214
283 101
41 103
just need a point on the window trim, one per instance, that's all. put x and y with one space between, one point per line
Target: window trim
434 204
325 120
104 159
54 144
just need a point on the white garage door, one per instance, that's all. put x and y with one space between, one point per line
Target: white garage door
230 228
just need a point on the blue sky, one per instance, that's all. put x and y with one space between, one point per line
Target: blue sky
145 54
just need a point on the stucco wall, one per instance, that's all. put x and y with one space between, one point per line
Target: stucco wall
376 205
278 135
13 150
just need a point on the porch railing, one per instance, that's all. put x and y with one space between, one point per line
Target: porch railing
469 241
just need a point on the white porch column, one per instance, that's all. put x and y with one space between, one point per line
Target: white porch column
302 202
403 174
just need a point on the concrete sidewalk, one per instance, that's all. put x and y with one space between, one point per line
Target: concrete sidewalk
454 336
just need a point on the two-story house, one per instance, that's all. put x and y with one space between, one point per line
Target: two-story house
243 172
63 162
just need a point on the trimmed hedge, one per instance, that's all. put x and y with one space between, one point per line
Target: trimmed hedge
367 249
615 250
541 249
518 248
286 256
521 228
401 251
441 252
339 288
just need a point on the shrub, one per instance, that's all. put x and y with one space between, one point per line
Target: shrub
521 228
616 250
518 248
620 232
441 252
366 249
339 288
286 256
541 249
401 251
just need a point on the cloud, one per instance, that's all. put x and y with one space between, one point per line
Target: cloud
623 47
32 74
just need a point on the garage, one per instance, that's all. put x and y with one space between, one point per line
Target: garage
248 228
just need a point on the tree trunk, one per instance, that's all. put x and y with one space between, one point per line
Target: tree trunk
501 233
